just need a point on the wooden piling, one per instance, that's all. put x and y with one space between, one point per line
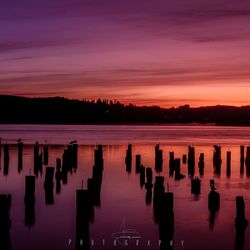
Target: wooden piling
240 221
191 160
228 163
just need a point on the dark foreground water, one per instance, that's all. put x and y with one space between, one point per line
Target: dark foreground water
123 201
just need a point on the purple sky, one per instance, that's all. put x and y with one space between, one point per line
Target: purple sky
146 52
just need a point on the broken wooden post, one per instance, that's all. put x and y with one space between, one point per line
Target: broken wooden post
84 213
142 176
166 220
45 155
20 155
191 160
5 225
149 185
29 200
75 154
248 161
158 158
201 164
171 163
240 221
196 186
242 153
137 163
37 160
128 159
49 185
184 159
6 159
177 169
228 163
217 159
213 197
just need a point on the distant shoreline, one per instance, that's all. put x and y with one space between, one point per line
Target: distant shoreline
62 111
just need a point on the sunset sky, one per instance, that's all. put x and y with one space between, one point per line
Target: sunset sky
162 52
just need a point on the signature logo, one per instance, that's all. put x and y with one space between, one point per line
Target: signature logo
124 235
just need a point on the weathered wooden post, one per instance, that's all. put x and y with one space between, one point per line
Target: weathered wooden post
228 163
248 161
142 176
5 225
128 159
20 156
6 159
191 160
84 213
149 185
196 186
158 158
184 159
37 160
201 164
217 159
242 153
75 154
241 223
213 203
137 163
29 200
45 155
177 169
213 198
166 221
171 164
49 185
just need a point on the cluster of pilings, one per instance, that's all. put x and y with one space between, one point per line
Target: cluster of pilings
175 167
163 212
158 158
128 159
191 160
86 199
217 159
29 200
68 163
5 222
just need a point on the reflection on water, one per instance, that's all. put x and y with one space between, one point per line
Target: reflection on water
77 196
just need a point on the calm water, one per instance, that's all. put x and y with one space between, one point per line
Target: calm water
122 198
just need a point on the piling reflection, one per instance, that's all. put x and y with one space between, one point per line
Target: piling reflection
63 166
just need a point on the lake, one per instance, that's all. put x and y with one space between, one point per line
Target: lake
124 208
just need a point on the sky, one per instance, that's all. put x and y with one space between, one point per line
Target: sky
146 52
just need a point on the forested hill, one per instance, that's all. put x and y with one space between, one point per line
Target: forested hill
58 110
